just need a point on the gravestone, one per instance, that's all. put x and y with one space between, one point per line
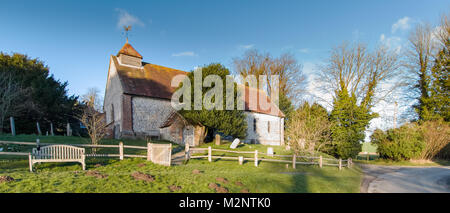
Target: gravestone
217 139
69 130
51 129
38 128
270 151
13 127
235 143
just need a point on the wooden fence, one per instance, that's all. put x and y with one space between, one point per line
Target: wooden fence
259 156
157 153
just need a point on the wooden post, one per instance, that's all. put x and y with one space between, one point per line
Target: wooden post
320 161
29 162
51 129
209 154
149 152
13 127
294 159
340 164
121 150
170 158
38 128
241 160
217 139
186 151
256 158
349 162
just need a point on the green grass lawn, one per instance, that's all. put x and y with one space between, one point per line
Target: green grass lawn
267 177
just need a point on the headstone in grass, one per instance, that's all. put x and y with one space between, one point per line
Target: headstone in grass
270 151
217 139
235 143
6 179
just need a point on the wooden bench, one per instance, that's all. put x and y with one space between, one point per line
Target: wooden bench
57 153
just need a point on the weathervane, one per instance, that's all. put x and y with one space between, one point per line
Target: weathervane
127 29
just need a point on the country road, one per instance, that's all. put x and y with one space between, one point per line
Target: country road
402 179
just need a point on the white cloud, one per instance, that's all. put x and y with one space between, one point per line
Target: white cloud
187 53
401 24
304 50
126 19
393 42
246 46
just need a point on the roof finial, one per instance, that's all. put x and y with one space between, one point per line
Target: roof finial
127 29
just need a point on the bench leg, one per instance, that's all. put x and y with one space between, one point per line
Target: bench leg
83 161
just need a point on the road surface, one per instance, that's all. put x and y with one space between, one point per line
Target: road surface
402 179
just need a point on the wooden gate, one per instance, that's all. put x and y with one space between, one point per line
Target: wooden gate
160 153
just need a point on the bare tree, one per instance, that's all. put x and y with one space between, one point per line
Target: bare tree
10 94
436 136
308 129
443 31
92 118
291 78
363 73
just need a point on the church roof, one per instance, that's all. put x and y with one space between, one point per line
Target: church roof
155 81
127 49
151 81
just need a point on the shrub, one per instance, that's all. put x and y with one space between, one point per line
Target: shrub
402 143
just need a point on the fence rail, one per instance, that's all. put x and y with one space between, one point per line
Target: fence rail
313 160
164 159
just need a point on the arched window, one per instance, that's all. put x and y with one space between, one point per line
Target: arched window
254 124
268 126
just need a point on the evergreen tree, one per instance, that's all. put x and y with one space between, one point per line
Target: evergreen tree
349 121
440 87
285 106
229 122
48 98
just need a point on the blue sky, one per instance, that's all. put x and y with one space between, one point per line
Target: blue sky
76 38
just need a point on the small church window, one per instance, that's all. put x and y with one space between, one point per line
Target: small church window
268 126
254 124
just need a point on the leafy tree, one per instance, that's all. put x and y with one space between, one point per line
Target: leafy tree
349 123
229 122
402 143
49 102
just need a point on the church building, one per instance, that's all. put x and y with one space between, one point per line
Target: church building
137 104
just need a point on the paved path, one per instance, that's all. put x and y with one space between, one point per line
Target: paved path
396 179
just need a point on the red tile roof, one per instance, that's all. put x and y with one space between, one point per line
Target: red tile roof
127 49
